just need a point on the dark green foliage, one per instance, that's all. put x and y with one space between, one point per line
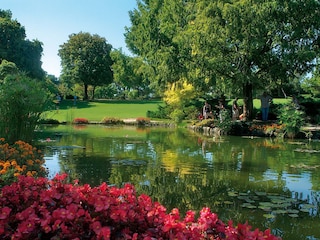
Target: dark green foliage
86 60
15 48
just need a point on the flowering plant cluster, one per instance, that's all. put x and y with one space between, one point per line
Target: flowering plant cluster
111 121
19 159
142 120
38 208
80 121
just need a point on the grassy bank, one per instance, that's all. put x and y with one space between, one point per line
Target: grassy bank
97 110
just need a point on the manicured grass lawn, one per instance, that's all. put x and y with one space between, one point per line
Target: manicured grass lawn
97 110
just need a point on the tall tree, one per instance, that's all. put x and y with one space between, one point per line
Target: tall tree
14 46
245 45
130 72
85 59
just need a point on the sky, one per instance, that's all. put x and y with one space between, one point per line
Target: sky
52 21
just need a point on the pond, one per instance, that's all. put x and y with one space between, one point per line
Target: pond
268 182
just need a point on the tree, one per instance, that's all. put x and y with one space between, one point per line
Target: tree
85 59
246 45
14 47
7 68
312 84
130 73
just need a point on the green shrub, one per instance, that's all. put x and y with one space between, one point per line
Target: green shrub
112 121
292 119
22 101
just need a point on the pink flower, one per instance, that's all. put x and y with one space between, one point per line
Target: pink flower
4 212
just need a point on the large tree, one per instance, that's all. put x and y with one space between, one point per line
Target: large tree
85 59
244 45
14 46
130 73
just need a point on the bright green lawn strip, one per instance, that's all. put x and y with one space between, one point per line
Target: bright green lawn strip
97 110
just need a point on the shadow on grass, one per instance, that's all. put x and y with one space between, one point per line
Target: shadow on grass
67 104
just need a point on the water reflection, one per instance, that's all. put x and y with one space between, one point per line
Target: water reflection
258 179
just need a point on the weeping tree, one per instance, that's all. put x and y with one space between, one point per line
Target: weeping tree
245 46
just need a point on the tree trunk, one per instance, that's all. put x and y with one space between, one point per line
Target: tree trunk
247 101
85 92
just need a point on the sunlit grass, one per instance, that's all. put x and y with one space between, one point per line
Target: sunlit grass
97 110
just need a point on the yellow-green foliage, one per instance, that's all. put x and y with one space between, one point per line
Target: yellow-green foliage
179 93
178 96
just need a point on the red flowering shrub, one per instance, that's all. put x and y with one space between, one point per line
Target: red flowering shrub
142 121
80 121
51 209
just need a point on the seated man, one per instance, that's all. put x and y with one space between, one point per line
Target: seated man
207 111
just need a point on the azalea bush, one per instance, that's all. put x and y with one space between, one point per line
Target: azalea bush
18 159
38 208
142 121
80 121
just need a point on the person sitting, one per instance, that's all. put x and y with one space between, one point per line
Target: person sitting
235 110
207 110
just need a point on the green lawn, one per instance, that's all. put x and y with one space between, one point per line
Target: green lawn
257 104
97 110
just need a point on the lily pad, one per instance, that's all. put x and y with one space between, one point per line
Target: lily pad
269 216
306 210
233 194
280 211
293 211
293 215
261 193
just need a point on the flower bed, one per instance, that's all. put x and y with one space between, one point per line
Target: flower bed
19 159
38 208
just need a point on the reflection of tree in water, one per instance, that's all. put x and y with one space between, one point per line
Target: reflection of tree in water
171 167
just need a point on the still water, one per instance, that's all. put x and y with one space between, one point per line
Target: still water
268 182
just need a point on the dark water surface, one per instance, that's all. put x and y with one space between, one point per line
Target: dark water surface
268 182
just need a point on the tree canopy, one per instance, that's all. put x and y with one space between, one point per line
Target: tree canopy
14 47
239 47
85 59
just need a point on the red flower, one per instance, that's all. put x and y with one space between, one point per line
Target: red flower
4 212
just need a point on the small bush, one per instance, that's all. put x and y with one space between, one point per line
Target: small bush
112 121
80 121
142 121
292 119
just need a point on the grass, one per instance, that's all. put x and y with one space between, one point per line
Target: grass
122 109
97 110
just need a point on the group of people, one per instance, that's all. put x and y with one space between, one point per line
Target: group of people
265 105
207 109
